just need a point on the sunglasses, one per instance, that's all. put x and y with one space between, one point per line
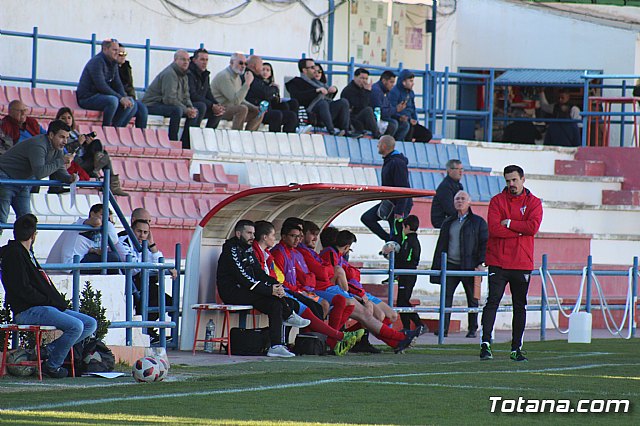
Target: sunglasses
122 54
242 63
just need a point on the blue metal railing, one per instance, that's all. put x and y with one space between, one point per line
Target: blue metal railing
543 308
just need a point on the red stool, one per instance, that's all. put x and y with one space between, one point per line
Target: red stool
37 330
224 338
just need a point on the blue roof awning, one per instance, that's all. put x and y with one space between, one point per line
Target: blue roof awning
539 77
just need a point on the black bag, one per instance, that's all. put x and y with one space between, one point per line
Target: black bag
385 209
310 344
92 356
249 341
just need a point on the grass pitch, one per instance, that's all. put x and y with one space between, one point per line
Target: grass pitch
427 385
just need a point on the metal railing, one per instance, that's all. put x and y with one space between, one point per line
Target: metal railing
543 308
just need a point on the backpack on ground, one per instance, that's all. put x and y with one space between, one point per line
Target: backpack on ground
249 341
310 344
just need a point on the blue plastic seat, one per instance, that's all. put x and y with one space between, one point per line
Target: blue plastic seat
463 155
377 158
432 156
379 174
415 178
365 151
330 146
496 184
428 181
470 184
343 147
354 151
483 187
422 157
410 153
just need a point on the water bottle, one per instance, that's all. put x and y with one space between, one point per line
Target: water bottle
208 335
264 106
377 113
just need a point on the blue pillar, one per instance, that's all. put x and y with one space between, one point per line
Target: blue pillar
588 283
634 296
147 60
443 293
128 293
144 283
104 244
161 304
34 57
585 107
489 134
94 43
75 304
174 314
392 261
543 302
332 23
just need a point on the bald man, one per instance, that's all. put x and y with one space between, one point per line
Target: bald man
394 173
464 237
17 126
230 87
168 96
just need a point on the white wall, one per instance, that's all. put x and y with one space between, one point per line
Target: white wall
282 34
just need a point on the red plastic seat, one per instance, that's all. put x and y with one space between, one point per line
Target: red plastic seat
144 171
207 175
83 129
4 102
191 209
69 99
171 171
125 205
184 175
203 206
40 97
151 206
27 98
164 205
157 171
55 100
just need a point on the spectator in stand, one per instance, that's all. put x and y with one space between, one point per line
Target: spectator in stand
5 141
464 238
17 126
322 78
402 93
442 206
316 98
35 300
523 132
88 153
261 90
41 157
142 230
242 280
126 77
168 96
86 244
358 93
561 133
380 98
230 87
100 89
394 173
200 90
278 104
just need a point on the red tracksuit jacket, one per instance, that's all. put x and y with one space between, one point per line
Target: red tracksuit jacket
512 248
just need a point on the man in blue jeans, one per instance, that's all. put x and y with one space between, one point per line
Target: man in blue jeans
34 299
394 173
100 89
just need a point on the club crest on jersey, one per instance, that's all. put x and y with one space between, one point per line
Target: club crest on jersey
523 209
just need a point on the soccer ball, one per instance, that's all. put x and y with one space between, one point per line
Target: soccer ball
146 369
18 356
164 368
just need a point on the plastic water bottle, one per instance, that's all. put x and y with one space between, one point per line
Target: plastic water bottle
264 106
208 335
377 113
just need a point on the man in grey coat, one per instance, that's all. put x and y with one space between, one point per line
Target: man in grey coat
33 158
168 95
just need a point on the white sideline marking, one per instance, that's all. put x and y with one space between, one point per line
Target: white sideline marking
295 385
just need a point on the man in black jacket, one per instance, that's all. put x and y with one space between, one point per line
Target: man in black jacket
442 205
34 299
464 238
241 280
200 90
316 98
358 93
278 120
394 173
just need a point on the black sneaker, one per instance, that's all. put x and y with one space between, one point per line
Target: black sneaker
409 340
485 351
471 334
54 373
518 356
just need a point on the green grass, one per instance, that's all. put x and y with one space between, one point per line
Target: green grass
428 385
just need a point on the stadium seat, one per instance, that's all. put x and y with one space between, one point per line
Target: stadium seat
437 179
496 184
271 139
365 151
422 159
354 151
410 153
260 143
12 93
280 175
40 97
55 100
207 175
4 102
81 207
40 208
197 139
223 143
210 142
319 148
427 181
55 208
483 187
308 151
370 176
348 176
164 205
225 334
255 173
330 145
415 179
235 143
300 171
433 159
150 204
296 147
325 174
27 99
314 174
379 175
191 209
70 100
343 147
248 146
470 184
144 171
358 174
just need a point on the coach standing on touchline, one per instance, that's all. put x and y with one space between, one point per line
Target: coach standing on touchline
514 218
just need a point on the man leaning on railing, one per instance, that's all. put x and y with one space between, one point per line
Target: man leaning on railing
34 158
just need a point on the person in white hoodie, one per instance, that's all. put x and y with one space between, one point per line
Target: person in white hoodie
86 244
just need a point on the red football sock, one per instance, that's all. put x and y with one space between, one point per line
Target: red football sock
390 336
386 321
355 326
348 310
319 326
335 316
